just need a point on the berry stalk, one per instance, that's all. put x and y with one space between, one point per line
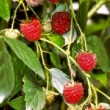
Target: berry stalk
25 10
45 40
83 39
14 16
96 7
44 64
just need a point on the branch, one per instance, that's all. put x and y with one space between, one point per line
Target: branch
96 7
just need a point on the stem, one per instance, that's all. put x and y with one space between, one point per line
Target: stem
82 34
14 16
88 99
44 11
25 10
70 37
44 64
102 93
70 68
67 55
72 10
105 28
106 38
33 12
95 94
96 7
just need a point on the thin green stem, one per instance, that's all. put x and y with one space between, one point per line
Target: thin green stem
45 51
67 55
14 16
82 34
25 10
95 95
46 40
96 7
106 38
88 99
102 93
55 93
72 10
105 28
44 64
70 37
70 69
33 12
44 11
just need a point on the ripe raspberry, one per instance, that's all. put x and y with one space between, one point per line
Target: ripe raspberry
54 1
61 22
93 108
34 2
86 60
32 30
73 92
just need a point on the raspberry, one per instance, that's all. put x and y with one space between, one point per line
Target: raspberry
54 1
12 33
34 2
47 26
61 22
50 97
90 108
86 60
73 93
31 30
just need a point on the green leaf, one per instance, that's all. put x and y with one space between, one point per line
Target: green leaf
60 7
18 103
4 10
75 48
97 46
55 60
26 54
96 1
82 13
101 77
57 39
6 73
34 95
18 64
94 27
59 78
3 24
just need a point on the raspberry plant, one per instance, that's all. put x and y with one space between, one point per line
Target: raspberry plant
39 55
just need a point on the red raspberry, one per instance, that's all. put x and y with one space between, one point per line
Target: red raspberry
73 92
61 22
31 30
101 109
90 108
86 60
54 1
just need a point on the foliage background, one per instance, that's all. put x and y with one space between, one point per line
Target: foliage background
18 59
